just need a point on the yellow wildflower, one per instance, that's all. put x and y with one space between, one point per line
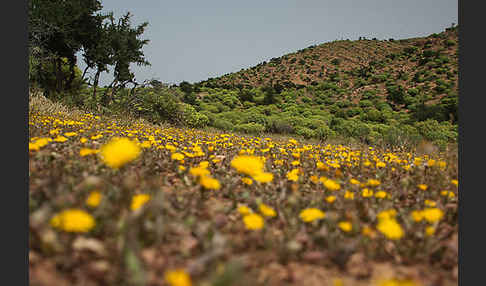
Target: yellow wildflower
455 182
263 177
209 183
139 200
119 151
244 210
423 187
331 185
373 183
94 199
87 151
311 214
247 181
198 171
248 165
366 193
177 156
267 211
433 214
390 228
60 138
349 195
177 277
73 220
330 199
345 226
253 221
381 194
293 175
430 230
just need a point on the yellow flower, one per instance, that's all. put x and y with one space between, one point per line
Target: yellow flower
73 220
430 230
423 187
417 215
83 140
430 203
182 168
253 221
119 151
138 201
263 177
70 134
330 199
209 183
331 185
432 214
455 182
390 228
87 151
177 156
247 181
248 165
295 163
94 199
431 162
349 195
314 179
198 171
267 211
366 193
448 194
367 231
244 210
396 282
311 214
60 138
380 164
381 194
373 183
204 164
354 182
345 226
177 277
293 175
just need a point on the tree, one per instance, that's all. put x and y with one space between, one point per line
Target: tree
126 49
58 30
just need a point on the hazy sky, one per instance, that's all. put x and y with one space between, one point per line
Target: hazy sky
194 40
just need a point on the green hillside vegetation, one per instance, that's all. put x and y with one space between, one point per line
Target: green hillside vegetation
378 92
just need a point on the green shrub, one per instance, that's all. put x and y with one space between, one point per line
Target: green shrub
250 128
223 124
277 124
192 118
305 132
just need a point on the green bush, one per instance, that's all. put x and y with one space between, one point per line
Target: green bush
250 128
223 124
277 124
192 118
305 132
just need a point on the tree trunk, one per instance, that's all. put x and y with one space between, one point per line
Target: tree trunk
59 75
95 84
72 64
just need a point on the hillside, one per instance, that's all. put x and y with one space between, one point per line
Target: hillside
356 64
394 92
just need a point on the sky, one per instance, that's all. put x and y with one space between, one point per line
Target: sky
194 40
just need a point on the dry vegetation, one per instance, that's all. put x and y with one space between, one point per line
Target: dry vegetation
172 206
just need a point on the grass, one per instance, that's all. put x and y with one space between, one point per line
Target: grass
199 228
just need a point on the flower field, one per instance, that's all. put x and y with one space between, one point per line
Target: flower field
121 202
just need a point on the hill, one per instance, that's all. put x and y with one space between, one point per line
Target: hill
393 92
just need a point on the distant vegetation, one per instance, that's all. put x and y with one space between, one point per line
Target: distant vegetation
395 92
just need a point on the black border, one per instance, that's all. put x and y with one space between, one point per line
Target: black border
471 108
15 191
14 115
